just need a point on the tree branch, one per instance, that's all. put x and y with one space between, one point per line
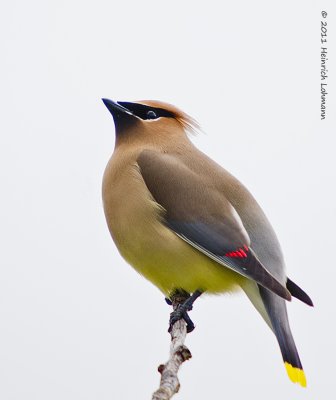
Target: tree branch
169 383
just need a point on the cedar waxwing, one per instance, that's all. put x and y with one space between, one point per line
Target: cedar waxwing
185 223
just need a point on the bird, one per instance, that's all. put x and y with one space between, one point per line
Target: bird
187 225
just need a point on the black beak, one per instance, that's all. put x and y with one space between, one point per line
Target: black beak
122 116
115 108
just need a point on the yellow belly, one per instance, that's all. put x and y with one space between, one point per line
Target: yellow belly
169 263
156 252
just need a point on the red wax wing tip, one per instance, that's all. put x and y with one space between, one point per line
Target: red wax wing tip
239 253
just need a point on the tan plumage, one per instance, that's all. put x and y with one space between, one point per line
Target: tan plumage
183 222
134 218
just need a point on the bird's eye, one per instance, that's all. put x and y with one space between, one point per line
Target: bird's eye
151 115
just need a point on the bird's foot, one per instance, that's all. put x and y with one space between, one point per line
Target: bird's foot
181 310
178 314
168 301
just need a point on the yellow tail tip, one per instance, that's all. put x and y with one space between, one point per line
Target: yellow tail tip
296 375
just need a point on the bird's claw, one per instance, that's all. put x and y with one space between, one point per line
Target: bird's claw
178 314
168 301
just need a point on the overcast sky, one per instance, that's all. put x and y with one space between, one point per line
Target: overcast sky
76 322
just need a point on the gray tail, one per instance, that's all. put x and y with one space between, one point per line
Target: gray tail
277 312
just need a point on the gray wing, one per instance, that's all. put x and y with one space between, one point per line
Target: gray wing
202 216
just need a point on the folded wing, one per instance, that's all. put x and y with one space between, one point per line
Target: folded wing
202 216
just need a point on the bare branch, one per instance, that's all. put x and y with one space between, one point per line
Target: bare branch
169 383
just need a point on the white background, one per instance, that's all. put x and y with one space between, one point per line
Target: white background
76 322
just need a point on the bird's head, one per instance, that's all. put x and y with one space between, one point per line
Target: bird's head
149 118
